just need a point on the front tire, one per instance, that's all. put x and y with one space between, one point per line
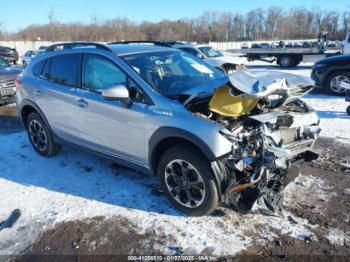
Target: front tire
40 136
333 82
188 180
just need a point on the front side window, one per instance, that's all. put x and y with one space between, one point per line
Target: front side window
100 73
210 52
63 69
172 72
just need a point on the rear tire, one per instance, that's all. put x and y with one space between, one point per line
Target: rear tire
188 180
286 61
348 110
40 136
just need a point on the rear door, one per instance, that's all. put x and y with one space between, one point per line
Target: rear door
111 127
56 93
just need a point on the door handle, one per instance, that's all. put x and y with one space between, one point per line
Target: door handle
38 92
81 102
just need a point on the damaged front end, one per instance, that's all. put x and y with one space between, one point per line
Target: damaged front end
271 130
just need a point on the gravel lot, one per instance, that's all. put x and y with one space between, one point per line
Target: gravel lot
76 203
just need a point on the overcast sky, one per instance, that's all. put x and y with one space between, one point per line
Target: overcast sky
20 13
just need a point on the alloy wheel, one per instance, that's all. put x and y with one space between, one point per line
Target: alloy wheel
37 135
335 83
184 183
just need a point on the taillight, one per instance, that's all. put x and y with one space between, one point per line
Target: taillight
18 83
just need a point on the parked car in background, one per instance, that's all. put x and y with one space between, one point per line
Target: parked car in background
209 137
212 56
9 54
42 48
328 73
8 77
29 55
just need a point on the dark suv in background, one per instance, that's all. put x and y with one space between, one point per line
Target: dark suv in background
328 73
9 54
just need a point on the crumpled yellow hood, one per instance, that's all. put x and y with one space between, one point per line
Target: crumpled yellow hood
224 103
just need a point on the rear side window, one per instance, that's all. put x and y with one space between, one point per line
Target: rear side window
38 68
63 69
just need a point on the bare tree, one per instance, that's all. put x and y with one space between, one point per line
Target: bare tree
258 24
1 31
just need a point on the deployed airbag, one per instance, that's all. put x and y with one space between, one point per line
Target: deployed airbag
224 103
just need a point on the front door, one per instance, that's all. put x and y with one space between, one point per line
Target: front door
111 127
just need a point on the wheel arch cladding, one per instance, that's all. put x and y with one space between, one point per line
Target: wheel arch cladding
28 107
26 111
165 137
334 71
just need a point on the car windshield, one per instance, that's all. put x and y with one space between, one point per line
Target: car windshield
3 63
172 72
210 52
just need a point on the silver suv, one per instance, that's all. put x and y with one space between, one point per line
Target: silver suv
212 139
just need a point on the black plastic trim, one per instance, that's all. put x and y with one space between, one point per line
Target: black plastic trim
26 102
163 133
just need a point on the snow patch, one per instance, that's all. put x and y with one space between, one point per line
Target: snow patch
337 237
310 191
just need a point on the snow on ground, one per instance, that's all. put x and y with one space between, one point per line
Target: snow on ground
335 122
76 185
338 237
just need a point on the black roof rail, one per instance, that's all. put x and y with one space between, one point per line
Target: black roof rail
160 43
71 45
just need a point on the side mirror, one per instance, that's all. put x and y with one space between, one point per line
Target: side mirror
119 92
200 56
